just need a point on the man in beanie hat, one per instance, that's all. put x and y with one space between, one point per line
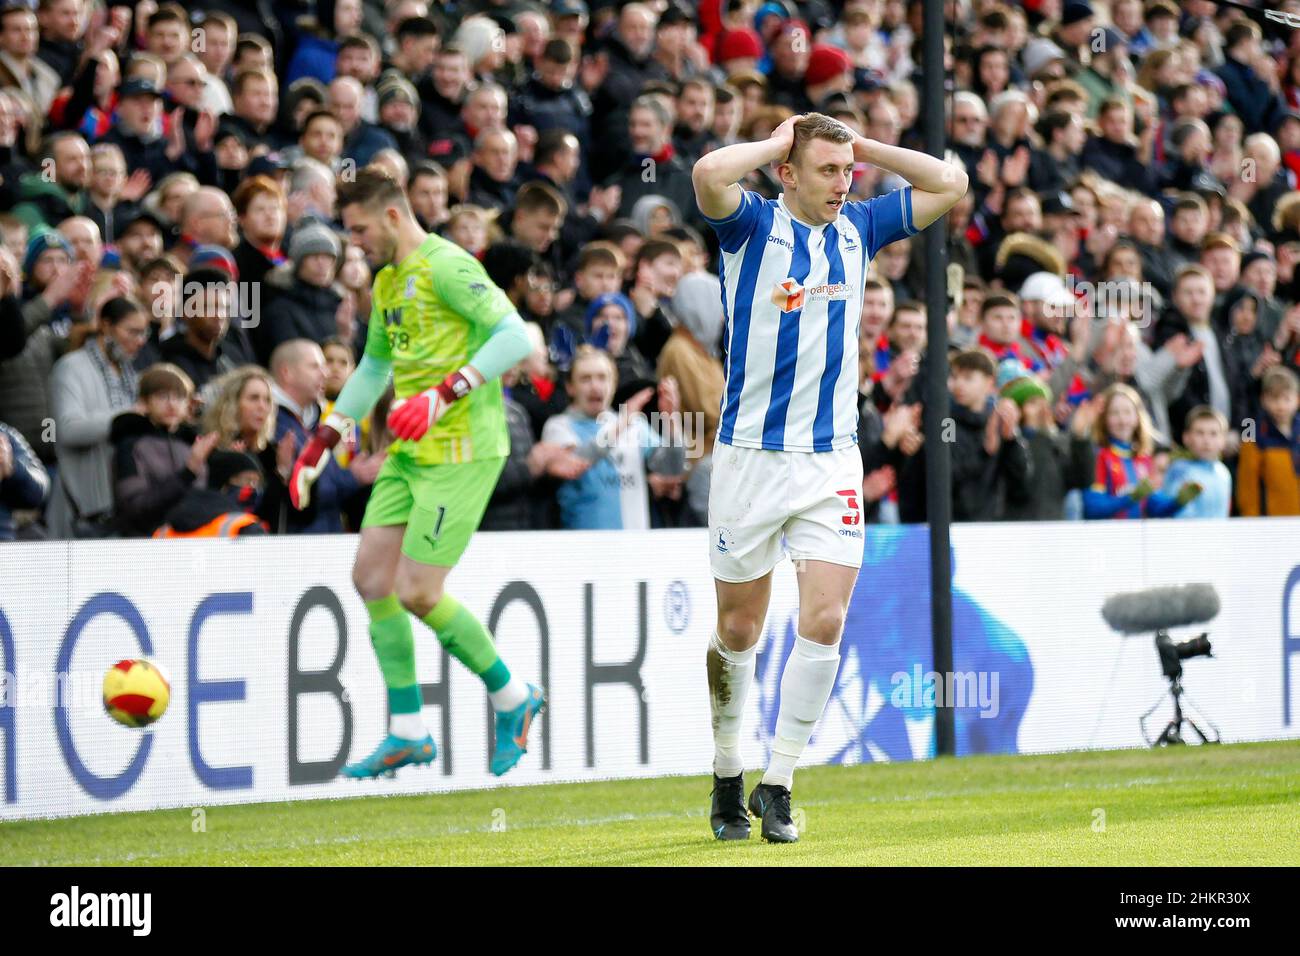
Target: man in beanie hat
1074 30
1049 312
302 301
211 260
1039 55
230 149
212 341
42 260
222 509
790 56
399 114
675 34
829 71
215 257
738 50
1103 79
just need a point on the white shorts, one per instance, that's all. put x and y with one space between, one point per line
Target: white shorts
766 503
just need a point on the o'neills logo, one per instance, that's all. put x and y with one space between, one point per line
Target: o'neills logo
788 295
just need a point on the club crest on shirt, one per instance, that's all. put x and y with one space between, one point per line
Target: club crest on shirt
787 296
410 287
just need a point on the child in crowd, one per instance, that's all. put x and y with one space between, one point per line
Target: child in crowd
1205 434
158 457
1267 481
1124 485
599 271
468 228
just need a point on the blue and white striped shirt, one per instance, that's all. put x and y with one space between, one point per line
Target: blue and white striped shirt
792 301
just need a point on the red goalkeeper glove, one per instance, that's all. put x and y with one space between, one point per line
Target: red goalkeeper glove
313 459
410 418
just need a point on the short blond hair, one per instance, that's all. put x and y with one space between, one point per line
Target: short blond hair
1202 413
1279 380
817 126
584 352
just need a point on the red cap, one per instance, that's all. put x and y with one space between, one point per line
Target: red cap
825 63
738 44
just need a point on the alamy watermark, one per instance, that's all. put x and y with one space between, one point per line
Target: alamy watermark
72 690
182 299
959 689
677 430
133 911
1139 302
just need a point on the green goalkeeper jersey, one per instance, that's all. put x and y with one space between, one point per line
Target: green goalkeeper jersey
431 312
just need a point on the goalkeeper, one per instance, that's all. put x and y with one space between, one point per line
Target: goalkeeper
445 333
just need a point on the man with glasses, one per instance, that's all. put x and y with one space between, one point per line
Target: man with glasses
207 218
186 80
968 126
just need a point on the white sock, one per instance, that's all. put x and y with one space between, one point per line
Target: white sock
806 685
514 693
730 674
407 726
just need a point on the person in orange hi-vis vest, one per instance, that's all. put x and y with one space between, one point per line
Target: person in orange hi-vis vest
222 509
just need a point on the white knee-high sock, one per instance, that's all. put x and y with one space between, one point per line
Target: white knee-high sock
407 726
806 685
730 674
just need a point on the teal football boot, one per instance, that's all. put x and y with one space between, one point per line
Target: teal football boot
392 753
512 731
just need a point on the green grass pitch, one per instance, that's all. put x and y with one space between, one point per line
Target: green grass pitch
1226 805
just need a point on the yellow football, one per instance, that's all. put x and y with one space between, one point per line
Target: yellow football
136 692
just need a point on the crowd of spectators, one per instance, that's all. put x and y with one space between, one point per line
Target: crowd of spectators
179 306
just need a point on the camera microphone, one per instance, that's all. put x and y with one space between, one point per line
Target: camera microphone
1160 609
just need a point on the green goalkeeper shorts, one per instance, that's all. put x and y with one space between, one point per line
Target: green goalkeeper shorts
441 505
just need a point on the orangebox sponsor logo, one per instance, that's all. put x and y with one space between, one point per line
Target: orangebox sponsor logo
788 295
829 290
